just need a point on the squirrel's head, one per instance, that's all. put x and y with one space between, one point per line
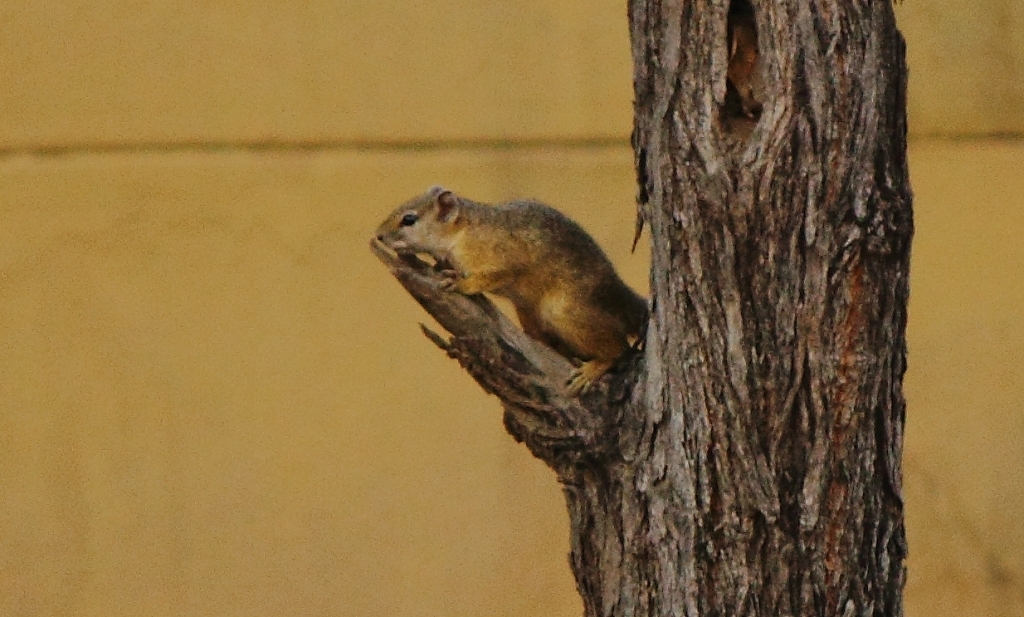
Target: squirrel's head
425 224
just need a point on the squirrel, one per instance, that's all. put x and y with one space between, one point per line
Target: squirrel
566 293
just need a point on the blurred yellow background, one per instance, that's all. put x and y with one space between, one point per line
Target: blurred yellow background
214 401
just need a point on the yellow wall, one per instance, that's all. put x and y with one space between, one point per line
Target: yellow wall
966 66
214 401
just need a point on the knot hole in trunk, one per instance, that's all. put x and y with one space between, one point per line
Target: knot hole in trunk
744 87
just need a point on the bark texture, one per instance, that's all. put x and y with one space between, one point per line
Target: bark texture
746 460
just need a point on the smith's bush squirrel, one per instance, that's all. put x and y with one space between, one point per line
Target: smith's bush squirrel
565 291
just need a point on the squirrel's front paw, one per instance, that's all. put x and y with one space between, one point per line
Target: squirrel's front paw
449 278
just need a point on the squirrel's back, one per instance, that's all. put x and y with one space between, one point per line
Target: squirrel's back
545 236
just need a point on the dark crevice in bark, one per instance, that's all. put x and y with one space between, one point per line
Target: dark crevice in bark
744 86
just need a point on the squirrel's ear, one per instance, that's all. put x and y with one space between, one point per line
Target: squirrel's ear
447 206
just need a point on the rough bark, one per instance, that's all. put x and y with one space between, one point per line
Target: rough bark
746 460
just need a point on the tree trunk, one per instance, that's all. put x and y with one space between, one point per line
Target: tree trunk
747 460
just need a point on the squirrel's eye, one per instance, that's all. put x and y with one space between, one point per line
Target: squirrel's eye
409 219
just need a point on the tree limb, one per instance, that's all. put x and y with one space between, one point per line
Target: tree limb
526 375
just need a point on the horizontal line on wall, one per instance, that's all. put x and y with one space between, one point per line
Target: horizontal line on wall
968 137
426 145
286 146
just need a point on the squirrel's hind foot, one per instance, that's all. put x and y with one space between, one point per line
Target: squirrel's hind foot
581 379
